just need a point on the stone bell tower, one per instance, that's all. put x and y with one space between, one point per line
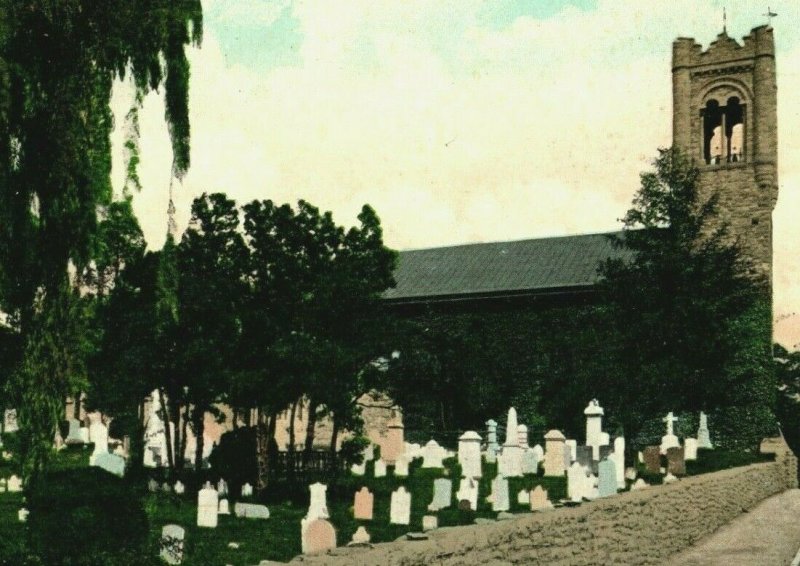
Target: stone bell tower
725 118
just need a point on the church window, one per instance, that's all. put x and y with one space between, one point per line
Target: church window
723 131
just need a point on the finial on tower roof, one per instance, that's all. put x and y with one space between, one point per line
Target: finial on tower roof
770 14
724 21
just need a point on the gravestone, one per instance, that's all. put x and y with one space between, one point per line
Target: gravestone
207 506
530 463
10 421
630 473
363 504
469 454
639 484
112 463
491 441
318 502
247 490
432 455
224 508
522 436
607 479
361 536
676 464
430 522
179 487
500 496
652 459
318 535
400 507
74 433
669 478
669 440
594 427
172 544
152 485
155 439
554 453
98 434
166 488
509 462
222 487
359 469
690 449
703 436
393 445
618 456
468 491
14 484
538 499
538 451
442 494
22 515
250 510
572 449
577 483
523 496
401 466
605 451
380 469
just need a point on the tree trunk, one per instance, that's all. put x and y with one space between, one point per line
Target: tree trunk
311 426
198 416
264 432
184 426
292 415
334 438
76 409
235 418
167 432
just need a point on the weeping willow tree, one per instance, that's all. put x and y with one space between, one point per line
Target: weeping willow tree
58 60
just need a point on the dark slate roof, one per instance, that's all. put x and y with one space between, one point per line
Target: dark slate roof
502 268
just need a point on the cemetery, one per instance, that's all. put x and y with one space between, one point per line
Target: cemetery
491 480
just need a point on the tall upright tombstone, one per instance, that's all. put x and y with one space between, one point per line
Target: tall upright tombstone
500 496
468 491
510 460
618 456
554 453
401 466
207 506
669 440
363 504
469 454
98 434
491 441
690 449
432 455
442 494
577 482
394 445
703 436
594 427
318 502
74 433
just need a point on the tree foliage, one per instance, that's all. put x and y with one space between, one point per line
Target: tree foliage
58 59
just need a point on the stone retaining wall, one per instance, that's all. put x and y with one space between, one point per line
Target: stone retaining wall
639 527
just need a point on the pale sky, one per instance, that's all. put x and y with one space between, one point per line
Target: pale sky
457 120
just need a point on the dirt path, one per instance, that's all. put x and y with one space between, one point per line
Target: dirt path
769 535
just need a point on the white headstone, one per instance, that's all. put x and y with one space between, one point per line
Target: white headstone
433 454
318 503
703 436
74 433
669 440
250 510
690 449
523 496
10 421
509 462
618 456
640 484
22 515
224 508
222 487
14 484
491 441
442 494
500 496
361 536
172 544
631 473
400 509
207 506
359 469
369 453
430 522
247 490
469 454
577 483
594 427
669 478
98 434
380 468
530 463
179 487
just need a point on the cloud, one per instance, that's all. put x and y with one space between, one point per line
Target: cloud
455 130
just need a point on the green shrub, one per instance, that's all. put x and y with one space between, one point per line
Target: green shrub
86 517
